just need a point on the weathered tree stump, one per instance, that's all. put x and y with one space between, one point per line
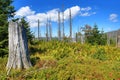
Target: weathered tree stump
19 57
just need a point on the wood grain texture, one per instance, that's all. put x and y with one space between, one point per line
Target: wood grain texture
19 57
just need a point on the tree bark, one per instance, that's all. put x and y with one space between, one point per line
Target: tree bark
19 57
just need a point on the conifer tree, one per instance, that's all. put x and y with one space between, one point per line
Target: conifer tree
94 36
29 34
6 11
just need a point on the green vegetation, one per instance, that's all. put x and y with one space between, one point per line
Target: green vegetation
30 35
6 11
94 36
56 60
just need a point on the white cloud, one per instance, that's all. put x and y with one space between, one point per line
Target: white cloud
74 11
24 11
32 18
53 14
86 11
113 17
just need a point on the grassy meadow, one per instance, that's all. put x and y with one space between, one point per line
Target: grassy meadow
55 60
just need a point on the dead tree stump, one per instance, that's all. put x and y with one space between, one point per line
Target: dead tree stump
19 57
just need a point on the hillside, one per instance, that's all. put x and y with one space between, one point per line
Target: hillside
56 60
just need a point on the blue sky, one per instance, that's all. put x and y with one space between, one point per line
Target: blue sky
105 13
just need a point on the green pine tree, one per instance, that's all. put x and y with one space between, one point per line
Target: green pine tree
30 35
94 36
6 11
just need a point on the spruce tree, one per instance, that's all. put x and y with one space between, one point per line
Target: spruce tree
6 11
98 37
94 36
27 28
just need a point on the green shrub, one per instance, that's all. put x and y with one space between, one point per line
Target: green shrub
60 54
68 61
100 54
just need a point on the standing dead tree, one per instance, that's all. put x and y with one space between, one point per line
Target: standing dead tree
19 57
47 30
70 24
50 29
38 29
59 26
63 34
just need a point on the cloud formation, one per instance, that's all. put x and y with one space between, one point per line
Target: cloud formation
113 17
33 17
86 11
24 11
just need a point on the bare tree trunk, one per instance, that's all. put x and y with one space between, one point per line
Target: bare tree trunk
76 37
70 24
47 31
108 38
50 30
63 34
39 30
19 57
59 26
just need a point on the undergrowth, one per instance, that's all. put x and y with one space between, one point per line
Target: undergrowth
56 60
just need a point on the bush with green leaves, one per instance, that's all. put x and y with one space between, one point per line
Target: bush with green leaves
100 54
68 61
